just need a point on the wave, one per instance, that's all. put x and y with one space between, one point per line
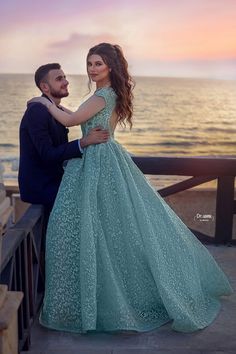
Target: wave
174 136
198 143
172 143
9 158
225 122
223 130
8 145
185 143
228 143
176 143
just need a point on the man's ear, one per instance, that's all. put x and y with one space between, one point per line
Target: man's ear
44 87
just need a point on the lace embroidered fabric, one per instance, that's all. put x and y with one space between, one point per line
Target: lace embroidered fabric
117 256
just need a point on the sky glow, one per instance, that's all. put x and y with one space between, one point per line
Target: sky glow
185 38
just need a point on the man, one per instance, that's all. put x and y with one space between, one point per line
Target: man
44 142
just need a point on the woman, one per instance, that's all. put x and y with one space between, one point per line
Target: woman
117 256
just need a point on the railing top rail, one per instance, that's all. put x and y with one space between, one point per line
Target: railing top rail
187 166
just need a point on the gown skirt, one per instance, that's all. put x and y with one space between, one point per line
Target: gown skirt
119 258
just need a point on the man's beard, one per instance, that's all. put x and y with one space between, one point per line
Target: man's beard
58 94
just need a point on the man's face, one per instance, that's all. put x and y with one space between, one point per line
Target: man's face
56 84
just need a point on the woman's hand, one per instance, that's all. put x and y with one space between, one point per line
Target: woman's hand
42 100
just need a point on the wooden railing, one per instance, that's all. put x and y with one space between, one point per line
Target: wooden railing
22 267
201 170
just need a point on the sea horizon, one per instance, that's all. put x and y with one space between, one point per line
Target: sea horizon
193 77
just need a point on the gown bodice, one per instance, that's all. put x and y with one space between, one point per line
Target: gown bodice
102 118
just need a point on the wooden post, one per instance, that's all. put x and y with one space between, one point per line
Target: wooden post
224 209
9 304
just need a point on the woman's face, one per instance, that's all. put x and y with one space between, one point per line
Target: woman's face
98 71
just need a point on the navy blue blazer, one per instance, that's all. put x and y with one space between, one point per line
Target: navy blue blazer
43 148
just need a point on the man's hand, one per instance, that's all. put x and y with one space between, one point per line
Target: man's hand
95 136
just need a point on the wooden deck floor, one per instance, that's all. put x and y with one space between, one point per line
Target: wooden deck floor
218 338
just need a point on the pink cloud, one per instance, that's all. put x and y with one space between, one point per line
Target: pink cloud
76 40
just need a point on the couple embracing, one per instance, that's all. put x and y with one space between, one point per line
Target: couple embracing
117 256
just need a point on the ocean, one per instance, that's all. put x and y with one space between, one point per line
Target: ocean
172 116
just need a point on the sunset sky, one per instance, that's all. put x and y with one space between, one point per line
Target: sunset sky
182 38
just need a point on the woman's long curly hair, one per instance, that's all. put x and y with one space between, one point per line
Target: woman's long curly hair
121 81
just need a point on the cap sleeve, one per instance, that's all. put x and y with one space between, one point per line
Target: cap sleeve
108 94
102 92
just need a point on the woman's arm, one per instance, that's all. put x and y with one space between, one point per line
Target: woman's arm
67 110
86 111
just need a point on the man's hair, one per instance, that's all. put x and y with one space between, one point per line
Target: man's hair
42 72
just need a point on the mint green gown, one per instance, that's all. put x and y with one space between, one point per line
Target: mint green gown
117 256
